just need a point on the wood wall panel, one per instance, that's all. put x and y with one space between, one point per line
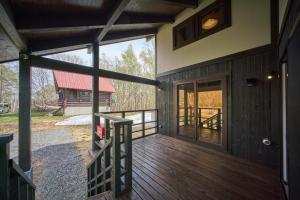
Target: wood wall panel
249 114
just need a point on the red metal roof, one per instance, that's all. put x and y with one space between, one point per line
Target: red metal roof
81 82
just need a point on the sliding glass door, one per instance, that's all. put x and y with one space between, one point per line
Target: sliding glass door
201 111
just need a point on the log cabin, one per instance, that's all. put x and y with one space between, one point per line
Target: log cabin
75 93
243 55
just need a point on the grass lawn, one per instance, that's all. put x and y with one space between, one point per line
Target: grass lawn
40 121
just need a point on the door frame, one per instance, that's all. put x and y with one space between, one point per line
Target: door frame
224 78
284 148
176 110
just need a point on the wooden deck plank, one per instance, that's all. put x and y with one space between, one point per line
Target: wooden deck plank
187 180
211 170
167 168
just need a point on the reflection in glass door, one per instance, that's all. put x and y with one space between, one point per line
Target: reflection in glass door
201 111
186 110
210 112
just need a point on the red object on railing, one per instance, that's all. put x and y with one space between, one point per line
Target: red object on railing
100 131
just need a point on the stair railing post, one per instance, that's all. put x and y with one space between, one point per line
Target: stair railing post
219 119
107 154
157 121
116 182
128 149
199 114
143 123
4 166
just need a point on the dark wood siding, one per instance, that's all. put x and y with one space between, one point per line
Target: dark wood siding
81 98
249 115
293 110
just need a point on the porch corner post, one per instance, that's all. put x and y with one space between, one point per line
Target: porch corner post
25 113
95 107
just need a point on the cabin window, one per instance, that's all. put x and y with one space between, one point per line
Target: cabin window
72 95
210 20
84 96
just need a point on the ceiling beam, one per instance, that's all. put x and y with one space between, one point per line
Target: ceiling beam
128 18
128 34
113 17
122 36
52 64
183 3
46 23
61 44
7 24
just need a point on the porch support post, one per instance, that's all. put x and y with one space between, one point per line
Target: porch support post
25 113
95 95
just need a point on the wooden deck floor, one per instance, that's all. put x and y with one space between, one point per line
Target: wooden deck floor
168 168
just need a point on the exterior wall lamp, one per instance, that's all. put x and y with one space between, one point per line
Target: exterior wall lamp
160 87
251 82
271 75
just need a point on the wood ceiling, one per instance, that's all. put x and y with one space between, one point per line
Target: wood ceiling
45 27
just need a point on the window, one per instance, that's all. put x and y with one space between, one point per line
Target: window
84 96
72 95
184 33
210 20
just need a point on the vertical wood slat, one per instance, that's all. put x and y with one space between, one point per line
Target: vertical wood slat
116 161
14 187
157 120
89 183
4 166
19 187
143 123
107 155
128 149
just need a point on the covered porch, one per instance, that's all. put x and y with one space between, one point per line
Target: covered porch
212 46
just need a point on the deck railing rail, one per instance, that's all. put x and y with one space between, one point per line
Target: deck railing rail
143 127
14 183
111 168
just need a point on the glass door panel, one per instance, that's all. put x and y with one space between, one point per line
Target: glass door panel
210 112
186 110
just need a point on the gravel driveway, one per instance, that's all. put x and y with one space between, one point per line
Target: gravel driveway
58 168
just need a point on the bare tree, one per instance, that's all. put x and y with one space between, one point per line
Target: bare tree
9 84
43 89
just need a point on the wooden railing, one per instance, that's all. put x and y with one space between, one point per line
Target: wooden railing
111 168
212 122
14 183
144 127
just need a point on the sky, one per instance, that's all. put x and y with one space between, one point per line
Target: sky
111 50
